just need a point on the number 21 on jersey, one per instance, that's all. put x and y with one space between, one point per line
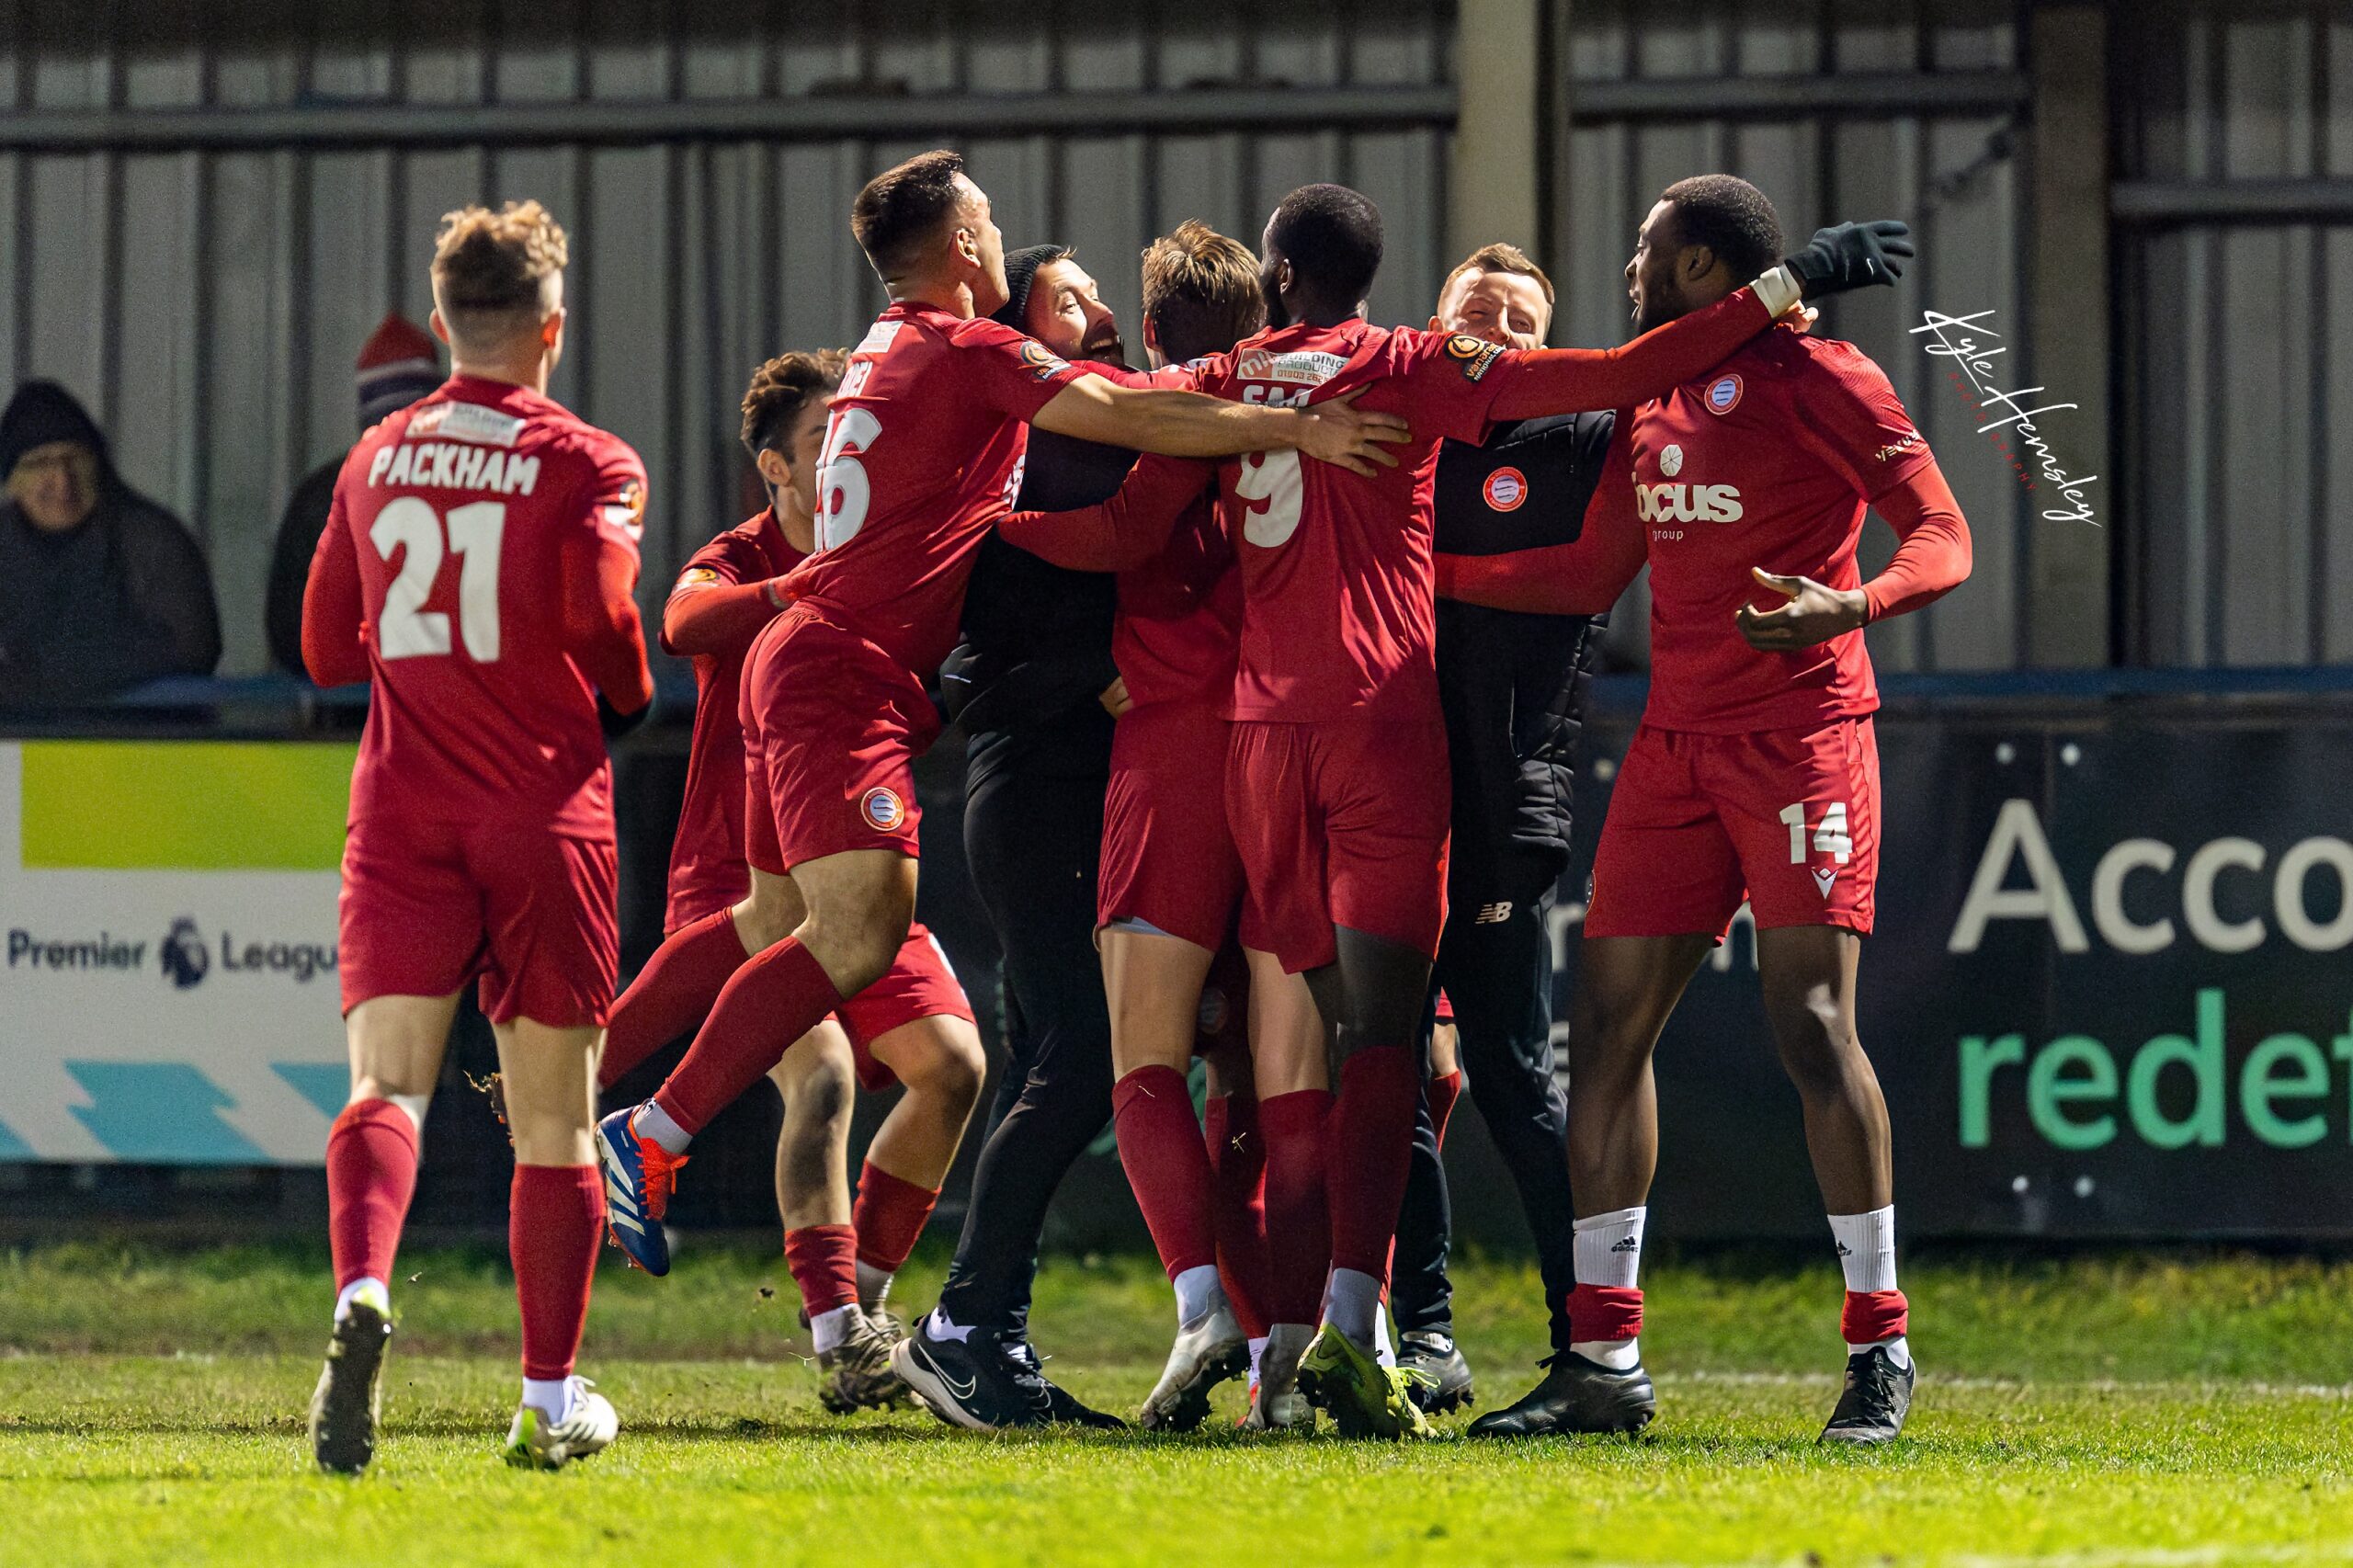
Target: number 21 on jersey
410 528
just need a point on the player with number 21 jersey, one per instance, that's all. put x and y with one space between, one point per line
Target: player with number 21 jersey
477 566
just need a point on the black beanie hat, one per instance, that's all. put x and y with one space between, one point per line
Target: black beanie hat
1021 271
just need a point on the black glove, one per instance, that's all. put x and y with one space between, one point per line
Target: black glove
1852 256
616 723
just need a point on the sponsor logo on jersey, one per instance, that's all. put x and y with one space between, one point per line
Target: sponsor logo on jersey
1303 367
1670 461
882 808
695 577
1474 354
1687 503
1907 442
878 339
1041 361
1723 394
467 422
1506 489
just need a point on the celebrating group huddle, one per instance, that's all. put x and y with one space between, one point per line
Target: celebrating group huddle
1351 593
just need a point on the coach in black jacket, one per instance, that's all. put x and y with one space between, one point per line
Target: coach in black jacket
1033 687
1513 687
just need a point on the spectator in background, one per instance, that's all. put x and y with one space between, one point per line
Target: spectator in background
398 365
100 588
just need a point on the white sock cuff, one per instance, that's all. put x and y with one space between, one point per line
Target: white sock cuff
828 1328
1198 1292
365 1282
1615 1218
415 1105
653 1122
1607 1248
1866 1248
553 1395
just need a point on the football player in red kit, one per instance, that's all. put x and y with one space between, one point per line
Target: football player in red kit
913 1027
1337 782
1171 885
477 566
923 440
1754 773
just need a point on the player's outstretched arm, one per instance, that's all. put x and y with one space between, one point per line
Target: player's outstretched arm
1584 576
1189 425
1537 382
1932 558
1120 533
708 614
335 613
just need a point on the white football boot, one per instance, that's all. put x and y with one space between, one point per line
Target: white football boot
1209 1350
1275 1400
539 1441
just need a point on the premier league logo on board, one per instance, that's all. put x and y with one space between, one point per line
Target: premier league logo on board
183 956
1723 394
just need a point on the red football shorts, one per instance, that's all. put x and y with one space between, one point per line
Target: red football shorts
427 905
832 728
920 984
1342 823
1787 818
1168 855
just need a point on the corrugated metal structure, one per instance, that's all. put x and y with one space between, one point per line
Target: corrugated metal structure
204 211
2237 148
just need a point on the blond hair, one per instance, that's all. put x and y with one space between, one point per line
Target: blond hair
491 269
1200 292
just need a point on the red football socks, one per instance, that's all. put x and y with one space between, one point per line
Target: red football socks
1237 1152
1439 1094
1167 1164
823 1261
671 994
1873 1315
772 1001
555 1217
1298 1223
1369 1149
372 1175
1603 1312
890 1215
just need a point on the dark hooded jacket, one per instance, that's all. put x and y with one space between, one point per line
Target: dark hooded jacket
120 598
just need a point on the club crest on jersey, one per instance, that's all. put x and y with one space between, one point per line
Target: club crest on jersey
1506 489
695 577
1723 394
1474 354
1041 361
882 808
1670 461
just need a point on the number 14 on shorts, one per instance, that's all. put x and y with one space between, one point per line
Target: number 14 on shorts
1830 835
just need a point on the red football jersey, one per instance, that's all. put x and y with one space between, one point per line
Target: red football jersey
1336 567
923 455
1769 460
474 523
1179 625
706 872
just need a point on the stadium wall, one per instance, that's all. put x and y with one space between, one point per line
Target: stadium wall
201 220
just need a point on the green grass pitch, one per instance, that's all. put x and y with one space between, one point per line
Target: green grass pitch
2088 1412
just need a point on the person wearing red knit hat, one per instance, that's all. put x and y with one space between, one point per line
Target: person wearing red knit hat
399 364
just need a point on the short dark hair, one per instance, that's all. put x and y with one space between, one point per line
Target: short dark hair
901 207
1331 235
1200 292
782 389
1732 218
